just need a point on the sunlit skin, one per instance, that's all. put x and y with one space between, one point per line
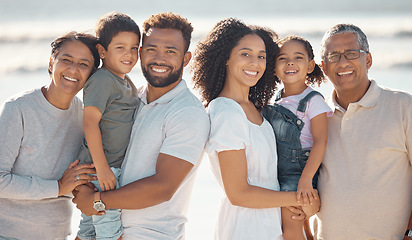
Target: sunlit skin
119 58
292 66
70 70
349 77
247 62
163 47
122 53
246 65
162 54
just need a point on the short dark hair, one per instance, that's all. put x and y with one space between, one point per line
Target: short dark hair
169 20
212 54
316 76
87 39
110 24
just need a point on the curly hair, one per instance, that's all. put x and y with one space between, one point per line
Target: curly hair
110 24
169 20
316 76
211 55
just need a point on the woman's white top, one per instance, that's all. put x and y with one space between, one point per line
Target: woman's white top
231 130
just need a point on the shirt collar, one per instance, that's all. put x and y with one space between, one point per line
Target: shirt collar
368 100
167 97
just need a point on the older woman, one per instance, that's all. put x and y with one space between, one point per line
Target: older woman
40 134
234 69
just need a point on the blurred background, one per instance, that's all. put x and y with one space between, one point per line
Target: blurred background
27 27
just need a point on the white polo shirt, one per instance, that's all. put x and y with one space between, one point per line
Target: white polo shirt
175 124
365 182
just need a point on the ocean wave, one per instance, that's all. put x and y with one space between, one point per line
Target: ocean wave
403 65
23 70
403 34
25 39
41 38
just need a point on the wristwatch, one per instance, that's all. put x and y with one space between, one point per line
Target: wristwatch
97 203
408 233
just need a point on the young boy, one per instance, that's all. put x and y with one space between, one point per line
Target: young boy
109 106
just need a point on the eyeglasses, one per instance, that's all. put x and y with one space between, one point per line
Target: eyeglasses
349 55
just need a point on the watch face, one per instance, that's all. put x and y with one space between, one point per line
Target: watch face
99 206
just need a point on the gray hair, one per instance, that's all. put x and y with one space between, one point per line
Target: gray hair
343 28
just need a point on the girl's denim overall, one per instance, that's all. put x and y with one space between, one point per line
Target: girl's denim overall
287 127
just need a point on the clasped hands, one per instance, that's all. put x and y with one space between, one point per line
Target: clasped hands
310 206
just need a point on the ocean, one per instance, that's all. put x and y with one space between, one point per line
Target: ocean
27 28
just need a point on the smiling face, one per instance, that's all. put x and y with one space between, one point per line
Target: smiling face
163 57
349 77
70 69
293 64
121 54
247 61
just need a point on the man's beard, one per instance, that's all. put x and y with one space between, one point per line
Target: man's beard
161 81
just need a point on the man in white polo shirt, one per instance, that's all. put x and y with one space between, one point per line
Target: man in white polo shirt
365 182
166 144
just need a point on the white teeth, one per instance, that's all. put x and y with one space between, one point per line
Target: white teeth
250 73
159 70
70 79
126 62
291 71
345 73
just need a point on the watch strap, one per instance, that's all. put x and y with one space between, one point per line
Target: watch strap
408 233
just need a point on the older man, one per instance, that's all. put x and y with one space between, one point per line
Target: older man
365 182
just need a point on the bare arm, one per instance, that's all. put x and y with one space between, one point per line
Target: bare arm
143 193
91 119
233 167
319 128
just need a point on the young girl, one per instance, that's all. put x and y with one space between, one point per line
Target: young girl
233 68
299 121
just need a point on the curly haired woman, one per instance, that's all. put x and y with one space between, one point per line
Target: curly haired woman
234 70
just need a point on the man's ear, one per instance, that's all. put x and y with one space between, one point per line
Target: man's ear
368 60
186 58
323 66
101 50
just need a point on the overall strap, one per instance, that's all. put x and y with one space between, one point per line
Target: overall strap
305 100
